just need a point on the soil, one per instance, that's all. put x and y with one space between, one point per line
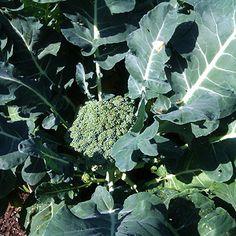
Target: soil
9 222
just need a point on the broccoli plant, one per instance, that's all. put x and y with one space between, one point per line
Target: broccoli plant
119 117
98 125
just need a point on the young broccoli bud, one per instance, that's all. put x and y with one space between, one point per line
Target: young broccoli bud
99 124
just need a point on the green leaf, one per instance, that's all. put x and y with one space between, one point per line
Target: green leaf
231 131
141 117
103 200
35 89
199 170
51 49
218 222
97 31
64 222
142 212
5 98
45 192
7 182
192 2
11 160
120 6
203 129
6 47
102 221
40 216
218 166
147 148
200 84
168 148
47 11
161 105
205 165
11 134
224 140
93 31
147 57
201 167
150 131
11 5
14 113
226 192
56 161
123 150
186 208
33 170
182 180
201 202
31 76
108 62
50 122
81 79
53 160
48 1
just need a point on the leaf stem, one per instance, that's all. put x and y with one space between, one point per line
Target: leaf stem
99 83
128 181
96 35
170 176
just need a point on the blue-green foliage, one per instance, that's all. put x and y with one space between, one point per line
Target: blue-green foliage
164 145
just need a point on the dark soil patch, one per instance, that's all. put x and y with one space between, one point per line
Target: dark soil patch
9 223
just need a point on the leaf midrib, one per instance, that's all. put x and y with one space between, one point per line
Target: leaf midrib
37 93
208 69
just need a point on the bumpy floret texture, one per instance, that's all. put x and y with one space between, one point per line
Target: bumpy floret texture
99 124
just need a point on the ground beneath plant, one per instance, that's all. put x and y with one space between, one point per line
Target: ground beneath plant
9 222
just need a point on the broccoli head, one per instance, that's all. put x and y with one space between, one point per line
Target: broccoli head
99 124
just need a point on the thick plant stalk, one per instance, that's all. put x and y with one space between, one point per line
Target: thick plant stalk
128 181
110 180
123 176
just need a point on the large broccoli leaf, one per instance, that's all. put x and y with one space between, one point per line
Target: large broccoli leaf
142 214
218 222
147 57
57 162
31 68
199 169
39 216
11 134
36 89
226 192
192 212
93 26
204 85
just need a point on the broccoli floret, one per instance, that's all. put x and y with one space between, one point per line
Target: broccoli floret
99 124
